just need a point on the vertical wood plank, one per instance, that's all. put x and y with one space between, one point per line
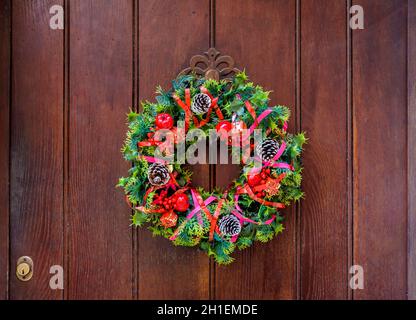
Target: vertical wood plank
5 33
100 66
411 151
266 48
380 157
324 217
170 32
36 147
136 108
350 172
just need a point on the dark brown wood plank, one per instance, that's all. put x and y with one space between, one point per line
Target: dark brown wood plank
380 157
170 32
350 172
5 31
36 147
411 151
324 217
100 79
260 36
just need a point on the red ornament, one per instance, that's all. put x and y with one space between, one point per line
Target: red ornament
180 202
164 121
223 127
169 219
254 180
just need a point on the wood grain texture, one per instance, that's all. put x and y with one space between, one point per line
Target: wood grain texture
65 121
260 36
36 220
380 151
170 33
411 151
5 32
324 228
99 238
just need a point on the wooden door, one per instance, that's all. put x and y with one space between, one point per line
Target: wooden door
64 95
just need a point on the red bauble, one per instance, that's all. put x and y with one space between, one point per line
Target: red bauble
224 125
169 219
254 180
164 121
181 202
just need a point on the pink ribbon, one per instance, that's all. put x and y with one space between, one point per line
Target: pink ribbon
243 219
257 121
154 160
272 163
197 210
283 165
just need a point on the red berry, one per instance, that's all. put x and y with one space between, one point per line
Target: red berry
263 181
268 171
181 201
254 180
164 121
263 175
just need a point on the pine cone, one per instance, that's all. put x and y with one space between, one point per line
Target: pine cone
158 174
201 103
229 225
267 149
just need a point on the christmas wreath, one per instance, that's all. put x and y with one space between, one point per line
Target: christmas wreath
160 191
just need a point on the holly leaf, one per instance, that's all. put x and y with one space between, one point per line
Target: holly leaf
278 228
139 218
260 97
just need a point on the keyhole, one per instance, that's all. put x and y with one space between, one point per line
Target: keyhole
24 269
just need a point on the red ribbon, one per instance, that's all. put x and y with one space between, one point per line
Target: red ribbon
186 106
247 190
153 142
214 219
214 103
199 204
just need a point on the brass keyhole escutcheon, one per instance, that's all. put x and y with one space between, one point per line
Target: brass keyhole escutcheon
24 268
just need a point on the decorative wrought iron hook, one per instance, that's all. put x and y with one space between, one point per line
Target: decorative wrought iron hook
211 65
